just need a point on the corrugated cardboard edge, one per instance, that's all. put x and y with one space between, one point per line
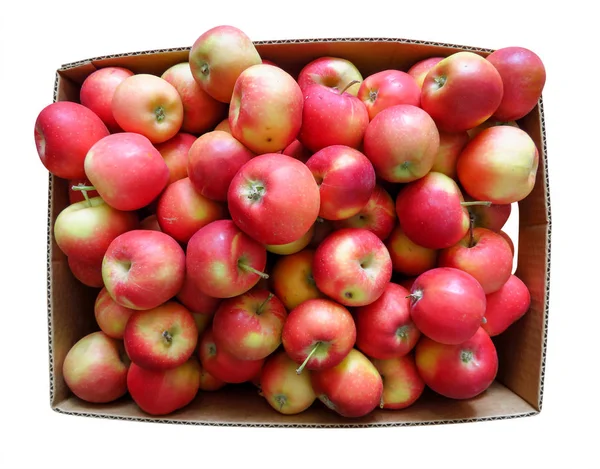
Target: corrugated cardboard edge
295 425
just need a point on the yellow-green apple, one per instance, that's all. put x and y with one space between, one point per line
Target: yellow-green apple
451 145
461 91
506 306
491 122
274 199
224 126
97 91
402 384
292 279
509 240
115 165
162 337
175 153
332 117
459 371
213 161
322 229
285 390
408 258
203 322
265 113
402 142
332 72
388 88
224 366
181 210
218 57
64 132
384 329
162 392
492 217
201 112
142 269
420 69
294 246
148 105
222 261
499 164
523 76
298 151
346 180
111 316
150 223
208 382
93 369
352 266
378 215
318 334
447 305
88 273
84 230
353 388
76 194
249 326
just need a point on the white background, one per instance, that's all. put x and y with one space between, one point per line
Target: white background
37 39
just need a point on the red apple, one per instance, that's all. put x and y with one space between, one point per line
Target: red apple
298 151
492 217
208 382
294 246
506 306
175 153
150 223
491 122
224 126
88 273
420 69
203 321
402 384
195 299
407 282
408 258
508 240
323 228
111 316
451 145
332 72
388 88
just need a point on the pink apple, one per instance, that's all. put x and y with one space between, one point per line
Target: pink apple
506 306
298 151
451 145
175 153
224 126
332 72
88 273
150 223
420 70
196 300
111 316
402 384
388 88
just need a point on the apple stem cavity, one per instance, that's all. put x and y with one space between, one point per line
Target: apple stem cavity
204 69
259 310
256 192
466 356
160 113
487 203
280 399
402 332
353 82
168 337
414 297
440 81
484 320
301 367
373 95
249 268
84 190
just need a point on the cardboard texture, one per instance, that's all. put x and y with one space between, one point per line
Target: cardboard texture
518 390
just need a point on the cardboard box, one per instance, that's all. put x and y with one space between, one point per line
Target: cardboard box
518 390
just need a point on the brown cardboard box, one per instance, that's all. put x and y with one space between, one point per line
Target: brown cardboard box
518 390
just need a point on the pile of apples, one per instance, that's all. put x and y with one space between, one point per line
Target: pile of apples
325 237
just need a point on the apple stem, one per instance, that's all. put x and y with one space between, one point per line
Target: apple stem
84 190
262 305
381 402
353 82
487 203
249 268
168 337
471 229
320 220
301 367
414 297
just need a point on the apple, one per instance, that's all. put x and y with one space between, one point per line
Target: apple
346 180
332 117
492 217
408 258
150 223
491 122
224 125
461 91
402 142
322 229
175 153
285 390
298 151
352 266
333 72
114 165
318 334
402 384
203 321
223 262
208 382
76 194
162 392
218 57
523 78
451 145
274 199
294 246
111 316
97 92
142 269
407 282
213 161
64 132
506 306
384 329
93 369
388 88
420 69
88 273
195 299
458 371
508 240
353 388
499 164
447 305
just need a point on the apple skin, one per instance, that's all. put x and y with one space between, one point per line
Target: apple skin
285 390
408 258
265 113
352 266
460 371
388 88
88 273
330 118
294 246
298 151
162 392
492 217
353 388
451 145
142 269
77 196
461 91
332 72
402 384
114 164
93 369
508 240
491 122
224 126
500 165
195 299
506 306
111 316
420 69
346 180
378 215
175 153
323 228
402 142
249 326
208 382
523 76
218 57
150 223
447 305
215 254
384 329
321 322
64 132
213 161
97 92
274 199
